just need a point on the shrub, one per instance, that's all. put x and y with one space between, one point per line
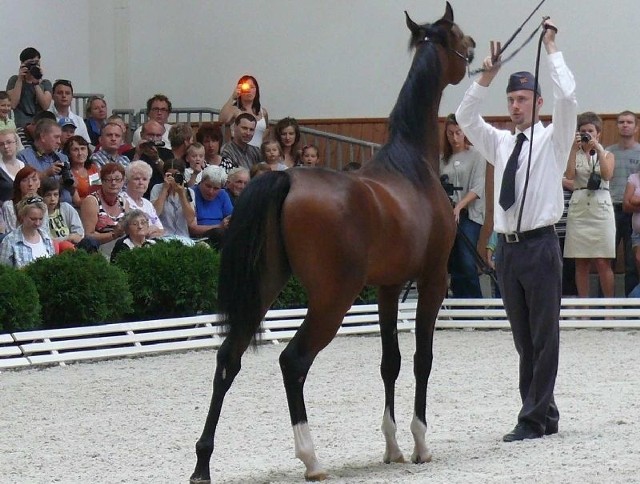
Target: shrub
77 288
19 304
169 279
294 295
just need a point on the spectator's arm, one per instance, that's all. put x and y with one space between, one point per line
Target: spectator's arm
6 253
630 202
14 87
229 111
187 206
43 96
89 217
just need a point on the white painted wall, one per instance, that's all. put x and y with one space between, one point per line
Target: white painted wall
313 58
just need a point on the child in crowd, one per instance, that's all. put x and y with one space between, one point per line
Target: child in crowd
310 155
65 226
5 108
196 161
272 155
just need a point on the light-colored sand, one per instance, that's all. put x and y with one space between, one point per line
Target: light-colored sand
136 420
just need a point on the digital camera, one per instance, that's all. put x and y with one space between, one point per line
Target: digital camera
585 137
178 178
34 69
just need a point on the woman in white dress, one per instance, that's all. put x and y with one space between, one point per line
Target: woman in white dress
591 228
246 98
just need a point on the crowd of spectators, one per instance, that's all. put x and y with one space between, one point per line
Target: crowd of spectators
186 182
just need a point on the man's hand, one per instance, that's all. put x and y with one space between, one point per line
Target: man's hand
491 64
549 37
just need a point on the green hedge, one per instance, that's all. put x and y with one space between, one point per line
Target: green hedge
19 303
165 280
79 289
169 279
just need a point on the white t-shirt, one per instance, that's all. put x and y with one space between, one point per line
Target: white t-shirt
38 250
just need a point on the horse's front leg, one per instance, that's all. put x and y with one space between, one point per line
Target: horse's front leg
228 366
389 368
430 296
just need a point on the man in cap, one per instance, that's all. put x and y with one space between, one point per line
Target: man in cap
528 259
68 128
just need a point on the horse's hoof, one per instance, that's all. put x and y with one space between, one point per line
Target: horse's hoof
396 459
198 480
421 458
315 476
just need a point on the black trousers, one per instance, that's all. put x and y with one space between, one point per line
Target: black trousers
530 278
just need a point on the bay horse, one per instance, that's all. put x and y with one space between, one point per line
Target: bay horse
383 225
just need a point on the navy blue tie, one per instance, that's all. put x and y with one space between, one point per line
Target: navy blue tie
508 187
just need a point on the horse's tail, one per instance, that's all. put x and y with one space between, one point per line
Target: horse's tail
256 217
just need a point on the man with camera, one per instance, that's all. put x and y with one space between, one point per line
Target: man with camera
529 201
29 92
45 157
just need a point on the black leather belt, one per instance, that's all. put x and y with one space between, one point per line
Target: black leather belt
515 237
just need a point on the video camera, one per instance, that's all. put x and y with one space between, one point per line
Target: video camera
449 187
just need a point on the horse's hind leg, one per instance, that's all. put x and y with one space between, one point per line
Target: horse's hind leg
431 292
389 367
318 329
228 366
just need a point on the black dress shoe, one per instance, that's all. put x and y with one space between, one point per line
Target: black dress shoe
521 431
552 428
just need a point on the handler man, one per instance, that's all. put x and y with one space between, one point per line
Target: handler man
528 259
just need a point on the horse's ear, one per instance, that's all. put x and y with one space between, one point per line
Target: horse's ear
448 13
413 27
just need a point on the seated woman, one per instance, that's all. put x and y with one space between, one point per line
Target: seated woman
210 136
213 206
30 240
138 177
25 184
86 173
65 226
174 201
96 112
101 210
136 228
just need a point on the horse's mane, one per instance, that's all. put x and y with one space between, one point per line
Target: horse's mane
409 132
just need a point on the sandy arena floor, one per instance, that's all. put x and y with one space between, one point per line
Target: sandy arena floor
137 420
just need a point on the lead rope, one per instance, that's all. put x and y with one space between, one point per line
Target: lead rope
533 118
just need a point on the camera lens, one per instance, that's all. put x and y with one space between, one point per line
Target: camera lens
585 137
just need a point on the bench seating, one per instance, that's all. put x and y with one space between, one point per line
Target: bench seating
59 346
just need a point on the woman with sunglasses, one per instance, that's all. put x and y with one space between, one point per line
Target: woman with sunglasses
30 240
101 211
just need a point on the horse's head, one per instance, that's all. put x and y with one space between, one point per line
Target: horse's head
457 47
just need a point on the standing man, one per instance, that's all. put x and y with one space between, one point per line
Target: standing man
29 92
528 259
627 154
238 151
62 99
158 109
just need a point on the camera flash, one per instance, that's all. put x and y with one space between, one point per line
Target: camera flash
245 87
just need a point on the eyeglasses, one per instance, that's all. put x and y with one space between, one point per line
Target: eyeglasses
113 180
160 110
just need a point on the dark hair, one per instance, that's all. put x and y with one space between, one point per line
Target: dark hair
258 168
285 123
29 53
447 151
245 115
40 115
255 105
158 97
212 131
23 173
66 149
48 184
4 95
173 164
589 117
62 82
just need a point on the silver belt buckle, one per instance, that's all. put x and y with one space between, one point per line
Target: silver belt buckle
511 238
